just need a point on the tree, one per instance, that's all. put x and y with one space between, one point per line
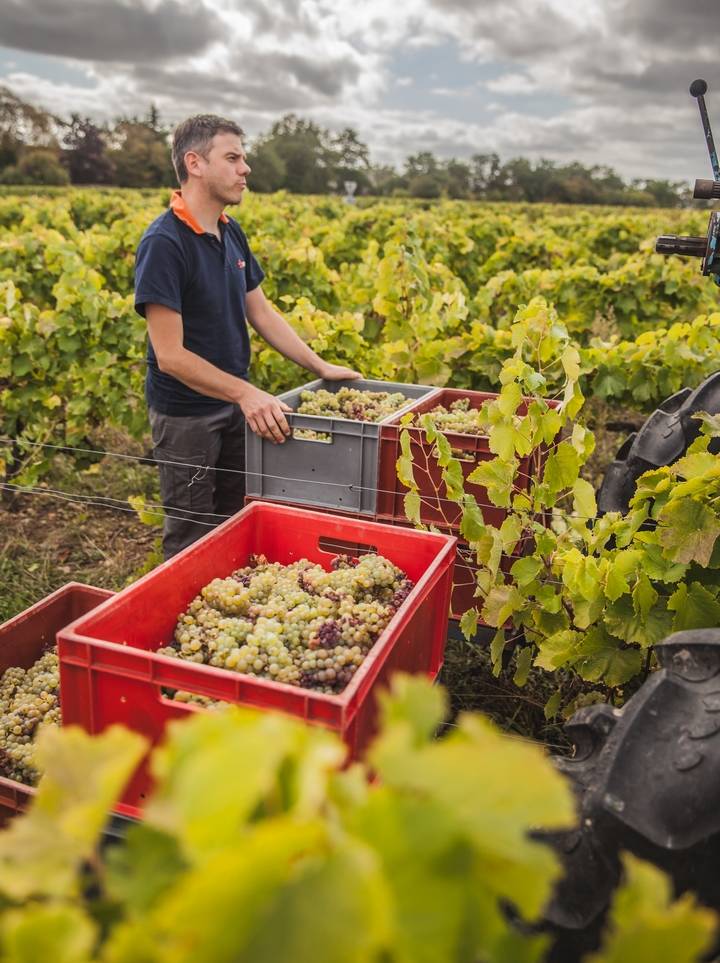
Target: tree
425 175
665 193
141 157
268 168
385 180
351 160
85 153
36 166
305 151
23 125
459 179
486 177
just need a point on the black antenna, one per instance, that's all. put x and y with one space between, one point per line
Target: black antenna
698 89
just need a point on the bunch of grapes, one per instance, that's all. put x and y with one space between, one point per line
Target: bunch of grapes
192 698
298 624
459 418
29 701
351 403
309 434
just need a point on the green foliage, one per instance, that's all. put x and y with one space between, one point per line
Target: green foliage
647 925
257 846
590 595
398 290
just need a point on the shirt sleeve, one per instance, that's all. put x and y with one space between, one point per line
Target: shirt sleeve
254 274
160 273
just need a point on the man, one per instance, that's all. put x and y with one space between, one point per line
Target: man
197 283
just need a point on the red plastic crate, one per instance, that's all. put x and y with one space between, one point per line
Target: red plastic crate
435 507
23 639
110 671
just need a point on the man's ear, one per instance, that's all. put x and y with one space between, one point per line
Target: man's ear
192 162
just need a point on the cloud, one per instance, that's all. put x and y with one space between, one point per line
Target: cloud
604 81
512 84
108 31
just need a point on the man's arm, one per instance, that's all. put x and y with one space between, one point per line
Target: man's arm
277 332
263 412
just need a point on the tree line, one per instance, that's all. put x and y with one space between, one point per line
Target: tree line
299 156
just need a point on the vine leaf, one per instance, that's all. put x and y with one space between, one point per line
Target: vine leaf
688 530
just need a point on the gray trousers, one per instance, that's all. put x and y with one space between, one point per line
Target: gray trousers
197 498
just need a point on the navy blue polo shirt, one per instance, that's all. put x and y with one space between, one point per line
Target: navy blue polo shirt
205 280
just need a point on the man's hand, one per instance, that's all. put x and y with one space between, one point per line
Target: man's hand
336 372
264 413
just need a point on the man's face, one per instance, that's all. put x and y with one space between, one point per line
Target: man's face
225 169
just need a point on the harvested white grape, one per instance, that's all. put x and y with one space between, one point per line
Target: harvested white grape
459 418
29 701
351 403
297 624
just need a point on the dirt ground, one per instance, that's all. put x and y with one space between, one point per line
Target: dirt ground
49 539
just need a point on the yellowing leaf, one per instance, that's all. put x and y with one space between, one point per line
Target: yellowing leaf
584 503
688 530
501 603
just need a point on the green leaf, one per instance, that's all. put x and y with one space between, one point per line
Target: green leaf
256 900
428 865
143 868
215 773
647 926
502 439
501 603
498 478
552 706
63 934
622 620
601 657
584 503
497 647
411 505
616 584
518 789
687 530
509 399
83 778
561 468
416 703
644 596
695 607
525 570
469 622
472 526
522 667
558 650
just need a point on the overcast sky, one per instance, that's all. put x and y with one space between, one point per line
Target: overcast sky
600 81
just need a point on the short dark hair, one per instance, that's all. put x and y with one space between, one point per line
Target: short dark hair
196 133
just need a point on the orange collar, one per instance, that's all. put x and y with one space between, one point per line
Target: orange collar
179 209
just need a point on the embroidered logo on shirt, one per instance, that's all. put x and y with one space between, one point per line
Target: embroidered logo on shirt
240 263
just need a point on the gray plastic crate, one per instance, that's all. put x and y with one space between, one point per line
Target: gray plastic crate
341 473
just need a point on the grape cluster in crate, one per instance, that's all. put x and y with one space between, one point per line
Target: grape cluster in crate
352 403
297 623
